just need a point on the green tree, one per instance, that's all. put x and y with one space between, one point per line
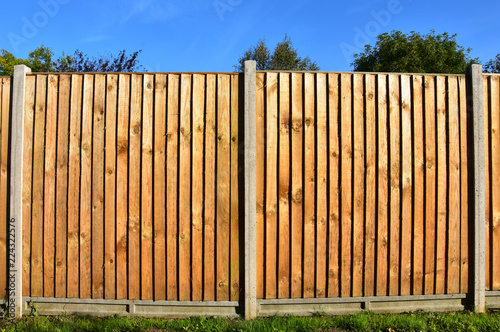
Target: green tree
493 66
415 53
284 57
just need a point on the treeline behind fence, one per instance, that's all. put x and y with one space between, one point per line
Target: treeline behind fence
135 187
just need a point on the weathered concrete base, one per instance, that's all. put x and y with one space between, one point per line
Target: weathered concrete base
492 299
379 304
169 309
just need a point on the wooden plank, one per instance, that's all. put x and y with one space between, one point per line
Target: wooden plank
210 192
370 217
358 185
453 282
185 190
464 231
197 205
49 198
172 184
29 112
406 186
110 189
495 187
487 154
271 183
147 189
73 272
38 175
260 169
85 187
235 249
430 184
159 205
418 189
62 185
98 187
442 174
134 187
309 187
395 171
223 186
284 187
5 89
321 185
383 187
346 184
334 189
122 186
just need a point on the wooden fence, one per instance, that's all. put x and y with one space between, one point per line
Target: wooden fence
491 86
5 97
131 186
361 185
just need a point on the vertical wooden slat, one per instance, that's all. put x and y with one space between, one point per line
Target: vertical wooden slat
159 205
284 186
321 187
235 251
407 190
134 197
122 186
147 189
418 190
50 188
441 185
5 89
309 186
430 184
346 183
85 187
62 185
260 169
383 187
223 187
29 112
358 185
210 202
297 191
495 176
464 232
185 189
334 172
395 141
73 271
197 204
172 184
370 195
98 188
271 188
110 189
488 188
453 282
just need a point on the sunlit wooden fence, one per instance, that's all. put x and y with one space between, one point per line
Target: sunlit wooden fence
133 192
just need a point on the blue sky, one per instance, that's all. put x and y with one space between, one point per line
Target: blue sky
210 35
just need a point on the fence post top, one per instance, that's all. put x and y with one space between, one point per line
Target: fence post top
21 69
474 68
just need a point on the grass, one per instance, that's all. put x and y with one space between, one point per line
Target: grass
415 321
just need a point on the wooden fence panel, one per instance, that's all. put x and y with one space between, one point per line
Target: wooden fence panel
5 97
110 160
394 161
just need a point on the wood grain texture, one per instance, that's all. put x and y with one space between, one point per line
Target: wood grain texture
260 181
494 107
122 156
321 185
234 283
62 186
488 188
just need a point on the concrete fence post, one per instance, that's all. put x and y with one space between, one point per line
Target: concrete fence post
16 192
475 110
250 189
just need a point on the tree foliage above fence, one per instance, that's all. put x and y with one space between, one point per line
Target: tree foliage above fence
414 53
42 60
